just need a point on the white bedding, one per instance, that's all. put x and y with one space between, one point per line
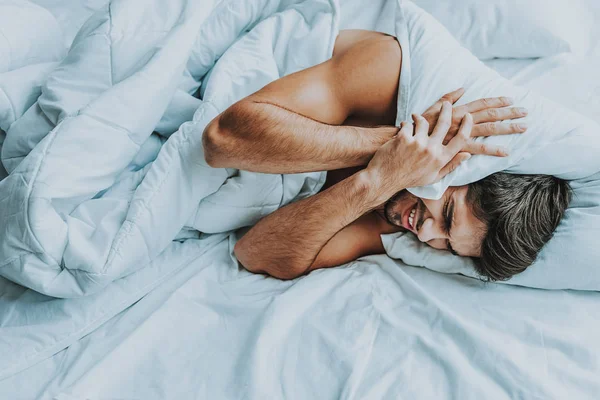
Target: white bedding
370 330
574 84
373 329
90 194
3 173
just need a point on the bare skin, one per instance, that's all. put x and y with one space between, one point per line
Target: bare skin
338 116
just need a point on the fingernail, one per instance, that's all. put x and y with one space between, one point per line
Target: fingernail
508 100
523 110
523 127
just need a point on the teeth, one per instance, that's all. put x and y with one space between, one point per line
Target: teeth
411 217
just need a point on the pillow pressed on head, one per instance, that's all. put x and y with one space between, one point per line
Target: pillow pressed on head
568 261
558 142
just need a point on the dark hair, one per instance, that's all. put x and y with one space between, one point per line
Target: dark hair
521 213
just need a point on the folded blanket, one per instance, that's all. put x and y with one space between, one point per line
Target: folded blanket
93 195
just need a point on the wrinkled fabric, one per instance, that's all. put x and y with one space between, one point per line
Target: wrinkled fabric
29 35
93 194
192 324
374 329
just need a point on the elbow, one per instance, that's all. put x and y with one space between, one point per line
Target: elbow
214 144
275 268
287 274
244 256
225 139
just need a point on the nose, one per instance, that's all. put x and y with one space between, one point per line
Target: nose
430 230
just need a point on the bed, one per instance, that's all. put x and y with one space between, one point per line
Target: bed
374 328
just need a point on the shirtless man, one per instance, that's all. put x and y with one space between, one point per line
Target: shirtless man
339 117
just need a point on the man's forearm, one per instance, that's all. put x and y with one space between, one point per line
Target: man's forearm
263 137
286 243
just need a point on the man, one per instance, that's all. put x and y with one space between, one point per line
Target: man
339 117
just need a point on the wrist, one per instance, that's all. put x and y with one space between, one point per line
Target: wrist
375 138
382 134
375 190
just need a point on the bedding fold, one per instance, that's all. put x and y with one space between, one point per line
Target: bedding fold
93 195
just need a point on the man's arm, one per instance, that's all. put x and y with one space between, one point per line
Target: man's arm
331 228
293 124
286 243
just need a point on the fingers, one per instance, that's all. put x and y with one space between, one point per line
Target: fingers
452 97
462 136
421 126
473 147
497 128
499 114
444 122
490 102
454 163
406 129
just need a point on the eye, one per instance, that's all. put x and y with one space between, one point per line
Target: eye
448 214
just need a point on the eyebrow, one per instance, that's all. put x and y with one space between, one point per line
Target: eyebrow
448 221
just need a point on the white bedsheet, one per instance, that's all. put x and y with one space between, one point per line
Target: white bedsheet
370 330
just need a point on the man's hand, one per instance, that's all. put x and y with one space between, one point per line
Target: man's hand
487 116
416 158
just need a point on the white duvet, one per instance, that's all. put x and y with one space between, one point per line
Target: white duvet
93 195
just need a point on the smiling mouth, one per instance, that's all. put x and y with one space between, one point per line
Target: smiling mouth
409 219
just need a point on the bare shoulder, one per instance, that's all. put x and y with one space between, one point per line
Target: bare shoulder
366 66
374 50
350 38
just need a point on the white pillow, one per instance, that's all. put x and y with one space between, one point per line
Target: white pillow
558 142
514 28
29 34
568 261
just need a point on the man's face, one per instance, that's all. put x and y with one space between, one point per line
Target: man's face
447 223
